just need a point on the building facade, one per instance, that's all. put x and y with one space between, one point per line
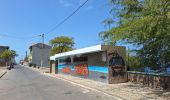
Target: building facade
103 63
39 54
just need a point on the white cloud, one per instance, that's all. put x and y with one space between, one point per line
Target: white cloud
66 3
89 4
81 2
90 7
76 3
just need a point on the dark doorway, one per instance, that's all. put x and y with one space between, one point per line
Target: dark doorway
56 66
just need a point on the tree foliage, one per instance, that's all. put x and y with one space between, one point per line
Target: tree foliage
61 44
145 23
8 54
14 53
133 62
107 23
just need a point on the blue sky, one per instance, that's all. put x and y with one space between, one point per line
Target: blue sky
22 19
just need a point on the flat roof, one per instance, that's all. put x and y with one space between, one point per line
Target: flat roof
90 49
3 46
39 44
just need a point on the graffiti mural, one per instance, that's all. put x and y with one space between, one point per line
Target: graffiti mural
66 70
81 69
117 68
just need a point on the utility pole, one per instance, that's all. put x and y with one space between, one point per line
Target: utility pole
128 58
42 36
26 56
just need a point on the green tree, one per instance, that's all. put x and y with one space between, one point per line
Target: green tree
7 55
145 23
61 44
14 54
133 62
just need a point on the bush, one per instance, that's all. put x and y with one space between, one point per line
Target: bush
30 64
34 65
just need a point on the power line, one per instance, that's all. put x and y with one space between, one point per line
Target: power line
63 21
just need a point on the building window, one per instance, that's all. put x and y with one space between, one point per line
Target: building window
81 59
65 61
104 56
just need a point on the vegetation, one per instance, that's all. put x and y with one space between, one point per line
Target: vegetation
13 53
8 54
145 23
106 35
61 44
133 63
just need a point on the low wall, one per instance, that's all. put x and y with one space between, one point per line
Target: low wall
2 64
151 80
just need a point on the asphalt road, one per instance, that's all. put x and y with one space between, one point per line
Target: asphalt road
22 83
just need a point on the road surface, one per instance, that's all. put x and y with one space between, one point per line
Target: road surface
22 83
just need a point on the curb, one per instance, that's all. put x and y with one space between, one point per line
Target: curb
3 74
87 87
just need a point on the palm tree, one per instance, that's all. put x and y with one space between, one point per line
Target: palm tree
108 22
107 36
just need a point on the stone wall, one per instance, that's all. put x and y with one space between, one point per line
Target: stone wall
154 81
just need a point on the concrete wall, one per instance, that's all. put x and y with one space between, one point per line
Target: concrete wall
53 68
38 54
117 73
98 73
95 68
